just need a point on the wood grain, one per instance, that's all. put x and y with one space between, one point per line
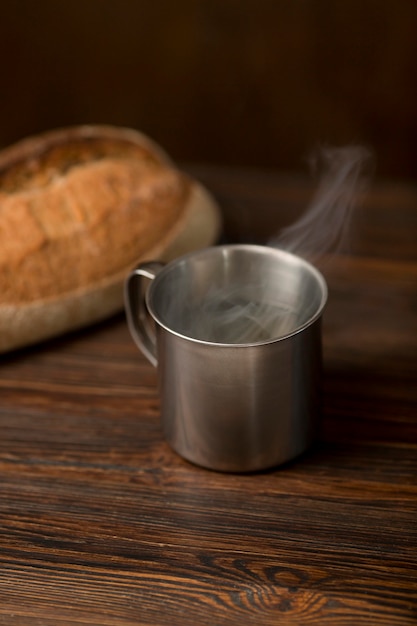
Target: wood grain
101 523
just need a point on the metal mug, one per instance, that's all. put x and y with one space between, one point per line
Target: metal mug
236 338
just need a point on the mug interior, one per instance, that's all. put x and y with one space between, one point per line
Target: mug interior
237 294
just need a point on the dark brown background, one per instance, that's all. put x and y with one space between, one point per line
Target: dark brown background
235 82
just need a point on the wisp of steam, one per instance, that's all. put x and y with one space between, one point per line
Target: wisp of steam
233 314
325 225
236 316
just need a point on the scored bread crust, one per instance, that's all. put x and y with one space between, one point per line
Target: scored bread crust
79 208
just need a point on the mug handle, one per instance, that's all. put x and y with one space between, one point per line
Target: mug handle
136 310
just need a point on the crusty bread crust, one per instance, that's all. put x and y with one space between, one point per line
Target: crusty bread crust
78 208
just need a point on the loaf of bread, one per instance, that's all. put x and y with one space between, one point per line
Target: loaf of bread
79 207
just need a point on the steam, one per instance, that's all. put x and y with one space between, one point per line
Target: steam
325 225
253 309
238 315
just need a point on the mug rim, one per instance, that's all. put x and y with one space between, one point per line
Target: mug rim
260 249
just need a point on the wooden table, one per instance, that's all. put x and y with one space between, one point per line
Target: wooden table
101 523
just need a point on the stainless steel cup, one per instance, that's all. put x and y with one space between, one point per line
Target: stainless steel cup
235 332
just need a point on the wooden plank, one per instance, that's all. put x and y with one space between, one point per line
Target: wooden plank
102 523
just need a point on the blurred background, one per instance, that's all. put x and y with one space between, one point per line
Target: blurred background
258 83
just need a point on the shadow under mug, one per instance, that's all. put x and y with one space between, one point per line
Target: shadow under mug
236 338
